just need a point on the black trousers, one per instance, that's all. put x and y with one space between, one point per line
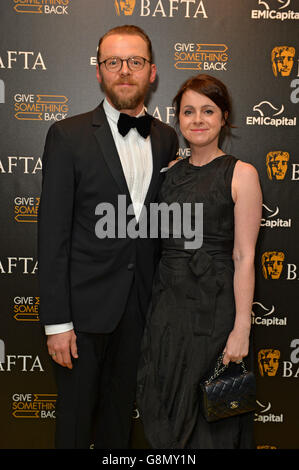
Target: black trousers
96 398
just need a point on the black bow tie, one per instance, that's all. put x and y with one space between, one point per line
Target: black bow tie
142 124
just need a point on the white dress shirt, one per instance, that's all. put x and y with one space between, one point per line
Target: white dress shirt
135 154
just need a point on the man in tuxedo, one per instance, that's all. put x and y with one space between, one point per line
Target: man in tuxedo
95 290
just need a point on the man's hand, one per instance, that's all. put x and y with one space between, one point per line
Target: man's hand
62 347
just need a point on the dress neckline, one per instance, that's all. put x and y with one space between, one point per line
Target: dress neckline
206 164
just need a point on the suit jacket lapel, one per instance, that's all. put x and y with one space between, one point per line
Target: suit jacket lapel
105 140
156 152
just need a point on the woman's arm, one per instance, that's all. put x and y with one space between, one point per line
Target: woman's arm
247 195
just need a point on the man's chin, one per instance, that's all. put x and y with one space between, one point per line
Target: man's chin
121 102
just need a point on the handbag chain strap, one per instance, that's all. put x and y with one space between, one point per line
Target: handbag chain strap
220 367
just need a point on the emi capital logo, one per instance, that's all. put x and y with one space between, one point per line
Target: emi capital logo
161 8
264 316
275 10
272 221
270 115
47 7
265 415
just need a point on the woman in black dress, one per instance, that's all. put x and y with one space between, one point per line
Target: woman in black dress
202 297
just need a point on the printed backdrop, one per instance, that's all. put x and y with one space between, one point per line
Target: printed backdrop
48 72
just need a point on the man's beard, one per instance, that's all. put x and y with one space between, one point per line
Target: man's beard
122 101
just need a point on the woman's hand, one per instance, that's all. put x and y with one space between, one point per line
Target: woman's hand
236 347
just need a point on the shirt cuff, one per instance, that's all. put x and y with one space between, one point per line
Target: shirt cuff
60 328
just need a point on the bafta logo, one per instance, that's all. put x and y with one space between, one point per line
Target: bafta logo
272 264
124 6
268 361
277 165
282 58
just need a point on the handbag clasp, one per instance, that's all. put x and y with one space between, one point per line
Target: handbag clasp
233 405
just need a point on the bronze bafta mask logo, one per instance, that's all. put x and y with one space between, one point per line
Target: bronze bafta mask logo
272 264
277 165
266 447
282 58
268 360
125 7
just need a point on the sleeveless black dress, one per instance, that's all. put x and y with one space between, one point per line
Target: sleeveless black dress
191 316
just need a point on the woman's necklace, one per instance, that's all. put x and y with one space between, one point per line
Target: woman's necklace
209 160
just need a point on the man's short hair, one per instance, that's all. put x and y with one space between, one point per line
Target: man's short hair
130 30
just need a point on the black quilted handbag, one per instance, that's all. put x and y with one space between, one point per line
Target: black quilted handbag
228 392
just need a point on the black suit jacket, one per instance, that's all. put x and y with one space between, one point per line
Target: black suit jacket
82 278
